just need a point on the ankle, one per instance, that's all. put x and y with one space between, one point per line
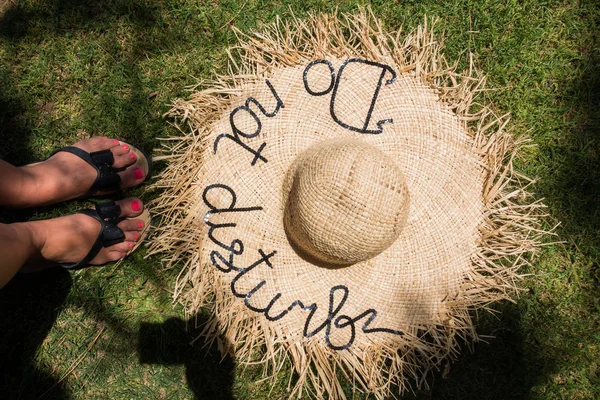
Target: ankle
37 232
17 185
26 187
36 188
28 239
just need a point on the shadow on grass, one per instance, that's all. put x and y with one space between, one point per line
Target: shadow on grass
60 16
573 186
505 367
208 375
14 132
29 305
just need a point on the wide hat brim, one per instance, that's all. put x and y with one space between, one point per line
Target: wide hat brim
398 314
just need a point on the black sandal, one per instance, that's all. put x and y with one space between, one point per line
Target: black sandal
107 179
107 213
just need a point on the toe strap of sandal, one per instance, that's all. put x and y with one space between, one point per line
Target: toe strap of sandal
108 179
110 234
108 209
103 160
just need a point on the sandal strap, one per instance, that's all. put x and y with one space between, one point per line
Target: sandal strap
108 209
107 178
110 234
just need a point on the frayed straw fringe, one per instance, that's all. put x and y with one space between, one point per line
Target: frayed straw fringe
510 233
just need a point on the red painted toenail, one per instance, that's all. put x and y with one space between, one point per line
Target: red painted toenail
131 245
140 225
123 255
105 137
125 147
138 173
115 141
132 156
136 205
136 236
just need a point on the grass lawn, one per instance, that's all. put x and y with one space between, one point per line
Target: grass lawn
72 68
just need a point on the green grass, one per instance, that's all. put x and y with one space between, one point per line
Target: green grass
72 68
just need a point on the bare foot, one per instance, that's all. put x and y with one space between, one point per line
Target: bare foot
65 176
69 239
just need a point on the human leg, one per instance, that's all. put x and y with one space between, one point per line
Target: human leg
17 246
64 240
64 176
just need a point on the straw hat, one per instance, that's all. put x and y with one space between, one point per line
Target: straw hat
339 204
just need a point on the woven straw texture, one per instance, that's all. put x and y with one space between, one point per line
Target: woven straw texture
344 202
337 204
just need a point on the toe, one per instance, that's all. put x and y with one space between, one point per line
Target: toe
130 207
132 177
122 247
114 255
132 236
123 156
130 225
97 143
121 149
135 162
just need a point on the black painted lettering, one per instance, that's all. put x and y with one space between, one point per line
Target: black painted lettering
231 207
263 259
237 133
365 128
305 78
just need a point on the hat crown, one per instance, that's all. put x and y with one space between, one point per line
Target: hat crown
346 201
